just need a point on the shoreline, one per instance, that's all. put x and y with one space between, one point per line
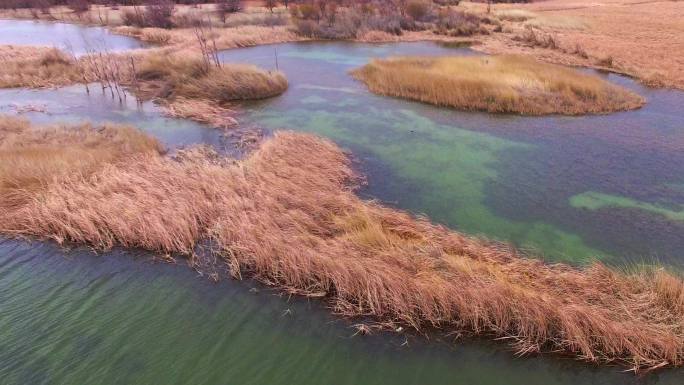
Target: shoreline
501 42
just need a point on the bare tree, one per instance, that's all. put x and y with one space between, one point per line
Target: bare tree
158 13
207 45
270 4
225 7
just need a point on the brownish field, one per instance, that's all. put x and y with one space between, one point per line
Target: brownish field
36 67
644 39
33 158
509 84
287 216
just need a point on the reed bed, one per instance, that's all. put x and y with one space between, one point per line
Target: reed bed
225 38
287 216
202 111
36 67
191 86
500 84
196 79
32 158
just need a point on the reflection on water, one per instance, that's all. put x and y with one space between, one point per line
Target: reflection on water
70 37
509 177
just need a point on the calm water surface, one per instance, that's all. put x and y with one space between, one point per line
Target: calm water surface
571 188
72 105
70 37
605 187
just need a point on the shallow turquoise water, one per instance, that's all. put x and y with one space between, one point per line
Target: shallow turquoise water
506 177
564 186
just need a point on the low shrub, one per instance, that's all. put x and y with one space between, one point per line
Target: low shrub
78 6
158 13
133 17
357 19
418 9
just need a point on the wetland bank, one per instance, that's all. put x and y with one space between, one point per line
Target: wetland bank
470 171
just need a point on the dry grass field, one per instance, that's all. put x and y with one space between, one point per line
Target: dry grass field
35 67
508 84
644 39
287 215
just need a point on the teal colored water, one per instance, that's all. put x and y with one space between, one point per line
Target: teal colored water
572 188
506 177
79 318
72 38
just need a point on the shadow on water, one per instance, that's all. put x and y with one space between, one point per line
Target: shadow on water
570 187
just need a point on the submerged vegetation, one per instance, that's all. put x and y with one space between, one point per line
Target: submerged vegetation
287 215
496 84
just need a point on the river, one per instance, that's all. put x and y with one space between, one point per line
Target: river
569 188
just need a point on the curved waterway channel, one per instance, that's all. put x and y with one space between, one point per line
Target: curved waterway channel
571 188
72 38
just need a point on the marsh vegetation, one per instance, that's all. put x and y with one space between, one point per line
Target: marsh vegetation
503 84
288 215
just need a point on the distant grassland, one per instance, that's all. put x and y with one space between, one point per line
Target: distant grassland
506 84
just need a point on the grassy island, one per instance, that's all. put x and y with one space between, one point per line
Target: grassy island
287 216
505 84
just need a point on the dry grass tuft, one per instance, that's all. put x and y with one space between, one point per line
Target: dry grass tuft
33 158
36 67
287 216
202 111
508 84
180 80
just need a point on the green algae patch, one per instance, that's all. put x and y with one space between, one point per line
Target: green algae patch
592 200
437 170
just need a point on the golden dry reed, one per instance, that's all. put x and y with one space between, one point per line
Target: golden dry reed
172 76
506 84
287 216
36 67
33 158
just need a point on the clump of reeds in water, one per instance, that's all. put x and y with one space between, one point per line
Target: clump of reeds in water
287 216
193 78
198 89
36 67
506 84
